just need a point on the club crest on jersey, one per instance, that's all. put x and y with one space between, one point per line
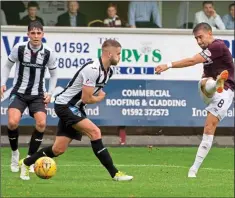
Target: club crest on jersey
88 82
207 52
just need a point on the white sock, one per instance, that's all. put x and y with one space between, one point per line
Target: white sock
203 150
15 152
210 86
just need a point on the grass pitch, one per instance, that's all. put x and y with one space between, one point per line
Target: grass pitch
160 172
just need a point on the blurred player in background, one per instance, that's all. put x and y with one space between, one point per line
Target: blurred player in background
84 88
216 87
32 59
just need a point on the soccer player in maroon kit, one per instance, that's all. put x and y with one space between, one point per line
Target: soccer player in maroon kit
216 87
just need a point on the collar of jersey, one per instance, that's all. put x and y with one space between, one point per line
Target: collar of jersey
32 49
102 66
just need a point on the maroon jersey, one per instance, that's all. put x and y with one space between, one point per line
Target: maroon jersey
218 58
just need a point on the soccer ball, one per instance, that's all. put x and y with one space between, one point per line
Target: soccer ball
45 167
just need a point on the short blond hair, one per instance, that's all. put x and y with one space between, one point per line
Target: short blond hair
111 43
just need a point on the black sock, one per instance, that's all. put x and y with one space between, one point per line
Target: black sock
35 142
41 153
13 138
103 155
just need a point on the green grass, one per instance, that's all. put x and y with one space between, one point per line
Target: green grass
161 172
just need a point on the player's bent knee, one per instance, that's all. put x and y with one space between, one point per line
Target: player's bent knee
58 150
95 133
204 80
41 125
12 124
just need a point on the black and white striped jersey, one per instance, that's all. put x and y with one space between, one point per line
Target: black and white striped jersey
91 74
31 67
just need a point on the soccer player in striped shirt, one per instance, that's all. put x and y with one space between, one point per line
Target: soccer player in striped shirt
32 59
84 88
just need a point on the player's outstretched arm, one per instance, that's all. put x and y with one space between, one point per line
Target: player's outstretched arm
88 96
187 62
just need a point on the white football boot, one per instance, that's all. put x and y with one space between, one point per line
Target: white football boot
15 156
120 176
24 174
192 172
31 168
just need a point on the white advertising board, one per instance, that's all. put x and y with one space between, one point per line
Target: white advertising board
140 52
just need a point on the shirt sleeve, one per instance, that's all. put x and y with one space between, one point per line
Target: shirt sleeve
3 18
13 57
52 81
106 22
51 64
156 14
5 71
219 23
225 20
196 19
214 51
89 76
131 13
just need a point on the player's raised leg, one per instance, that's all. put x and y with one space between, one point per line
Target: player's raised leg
100 151
221 80
59 147
14 116
209 86
37 135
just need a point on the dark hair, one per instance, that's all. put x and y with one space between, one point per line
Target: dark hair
35 24
202 26
207 2
33 4
111 43
68 2
112 5
231 5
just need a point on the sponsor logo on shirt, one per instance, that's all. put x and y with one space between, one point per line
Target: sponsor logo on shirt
32 65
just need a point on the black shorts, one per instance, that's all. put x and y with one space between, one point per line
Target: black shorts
21 102
68 116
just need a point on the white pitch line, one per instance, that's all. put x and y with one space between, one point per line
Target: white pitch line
141 165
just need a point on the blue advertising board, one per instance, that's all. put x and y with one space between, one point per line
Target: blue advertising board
139 103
